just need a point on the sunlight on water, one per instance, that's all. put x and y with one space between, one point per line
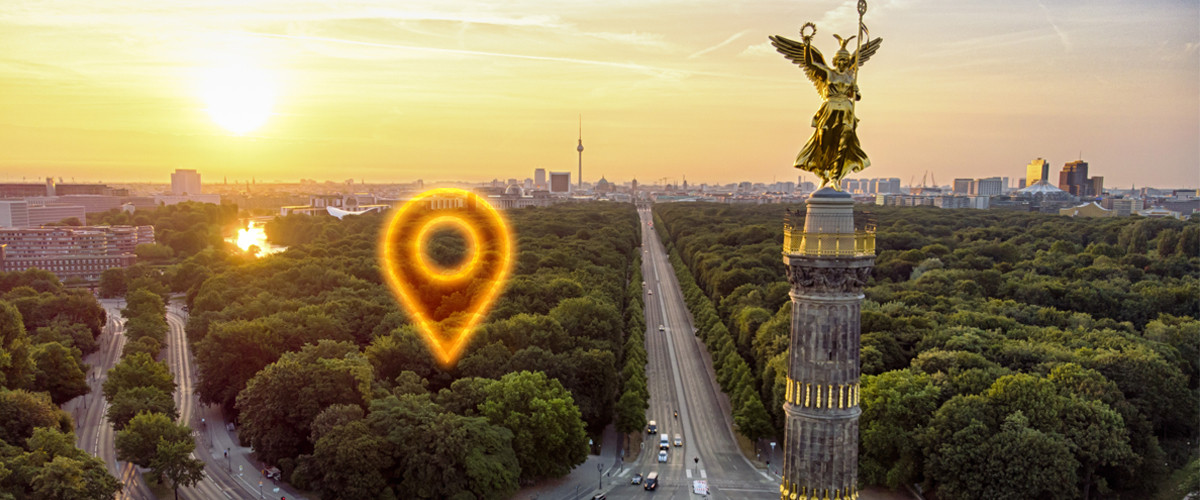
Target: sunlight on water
253 236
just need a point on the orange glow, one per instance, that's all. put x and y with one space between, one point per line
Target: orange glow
431 294
435 271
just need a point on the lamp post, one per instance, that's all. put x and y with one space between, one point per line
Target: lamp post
772 456
600 475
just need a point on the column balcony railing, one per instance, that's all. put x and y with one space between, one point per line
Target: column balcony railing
857 244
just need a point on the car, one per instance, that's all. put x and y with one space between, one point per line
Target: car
678 440
661 328
637 479
651 482
664 443
599 497
649 292
662 456
652 427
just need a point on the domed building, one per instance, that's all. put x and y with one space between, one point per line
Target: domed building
604 187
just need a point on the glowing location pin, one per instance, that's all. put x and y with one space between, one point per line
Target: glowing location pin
446 303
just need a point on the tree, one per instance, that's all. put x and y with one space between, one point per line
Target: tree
230 355
589 318
58 372
752 419
67 478
68 334
138 441
138 370
143 302
21 412
146 326
631 412
896 406
113 282
280 403
548 434
147 345
173 460
16 367
442 455
130 402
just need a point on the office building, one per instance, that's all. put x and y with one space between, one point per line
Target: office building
1074 179
991 186
963 186
560 182
1037 170
1125 207
14 213
185 182
40 215
539 178
71 252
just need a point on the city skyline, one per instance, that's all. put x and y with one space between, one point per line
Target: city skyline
123 92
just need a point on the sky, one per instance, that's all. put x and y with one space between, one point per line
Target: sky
386 91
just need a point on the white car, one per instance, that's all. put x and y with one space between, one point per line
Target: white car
661 328
649 292
678 440
662 456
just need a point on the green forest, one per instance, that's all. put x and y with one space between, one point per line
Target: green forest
45 331
1004 355
329 381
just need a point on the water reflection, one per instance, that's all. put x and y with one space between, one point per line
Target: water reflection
253 236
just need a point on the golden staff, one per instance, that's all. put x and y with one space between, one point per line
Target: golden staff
862 28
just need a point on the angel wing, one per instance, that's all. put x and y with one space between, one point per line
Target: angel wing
866 51
807 57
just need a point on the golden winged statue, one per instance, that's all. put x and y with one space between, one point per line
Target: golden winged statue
833 151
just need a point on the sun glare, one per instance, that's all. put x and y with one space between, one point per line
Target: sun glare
239 97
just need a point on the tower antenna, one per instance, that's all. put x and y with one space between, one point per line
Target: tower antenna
580 149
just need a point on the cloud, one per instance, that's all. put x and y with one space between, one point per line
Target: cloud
758 50
727 41
1062 35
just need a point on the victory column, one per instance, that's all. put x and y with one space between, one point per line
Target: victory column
828 262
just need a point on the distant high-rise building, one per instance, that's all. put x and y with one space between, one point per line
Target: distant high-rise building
560 182
963 186
1074 178
1097 185
1021 184
1037 170
991 186
185 181
539 178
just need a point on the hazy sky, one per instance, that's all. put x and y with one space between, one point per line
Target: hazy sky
117 90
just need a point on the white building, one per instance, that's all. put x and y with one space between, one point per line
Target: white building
185 182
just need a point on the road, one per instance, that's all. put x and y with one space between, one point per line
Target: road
680 379
228 474
93 433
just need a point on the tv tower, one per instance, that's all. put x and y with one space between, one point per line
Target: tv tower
580 149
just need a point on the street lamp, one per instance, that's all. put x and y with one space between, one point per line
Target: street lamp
772 456
600 475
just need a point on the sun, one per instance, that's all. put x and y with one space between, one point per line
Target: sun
238 96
